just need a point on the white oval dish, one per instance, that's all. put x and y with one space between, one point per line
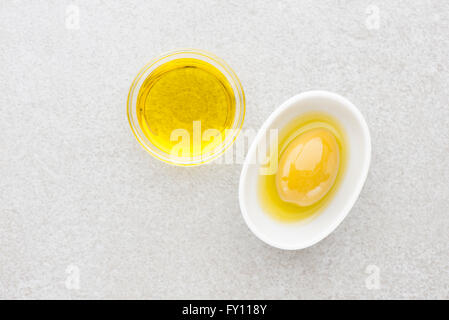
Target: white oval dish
299 235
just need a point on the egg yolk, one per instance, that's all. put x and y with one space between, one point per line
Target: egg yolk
308 167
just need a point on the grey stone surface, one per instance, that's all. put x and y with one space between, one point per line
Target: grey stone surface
79 196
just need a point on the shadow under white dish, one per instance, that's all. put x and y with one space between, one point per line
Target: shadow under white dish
302 234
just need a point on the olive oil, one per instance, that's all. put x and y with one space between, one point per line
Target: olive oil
190 95
268 192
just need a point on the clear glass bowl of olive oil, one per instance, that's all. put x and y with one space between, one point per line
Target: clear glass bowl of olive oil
186 107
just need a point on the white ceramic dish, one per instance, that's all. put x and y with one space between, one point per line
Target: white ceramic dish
299 235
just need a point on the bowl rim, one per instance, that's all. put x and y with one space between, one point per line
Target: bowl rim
357 188
231 77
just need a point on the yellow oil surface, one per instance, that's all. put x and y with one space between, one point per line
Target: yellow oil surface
311 163
190 95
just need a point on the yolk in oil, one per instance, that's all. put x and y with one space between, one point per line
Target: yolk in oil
311 163
308 167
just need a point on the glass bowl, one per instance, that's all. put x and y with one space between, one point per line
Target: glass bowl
236 124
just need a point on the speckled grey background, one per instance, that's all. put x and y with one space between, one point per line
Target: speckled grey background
80 197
